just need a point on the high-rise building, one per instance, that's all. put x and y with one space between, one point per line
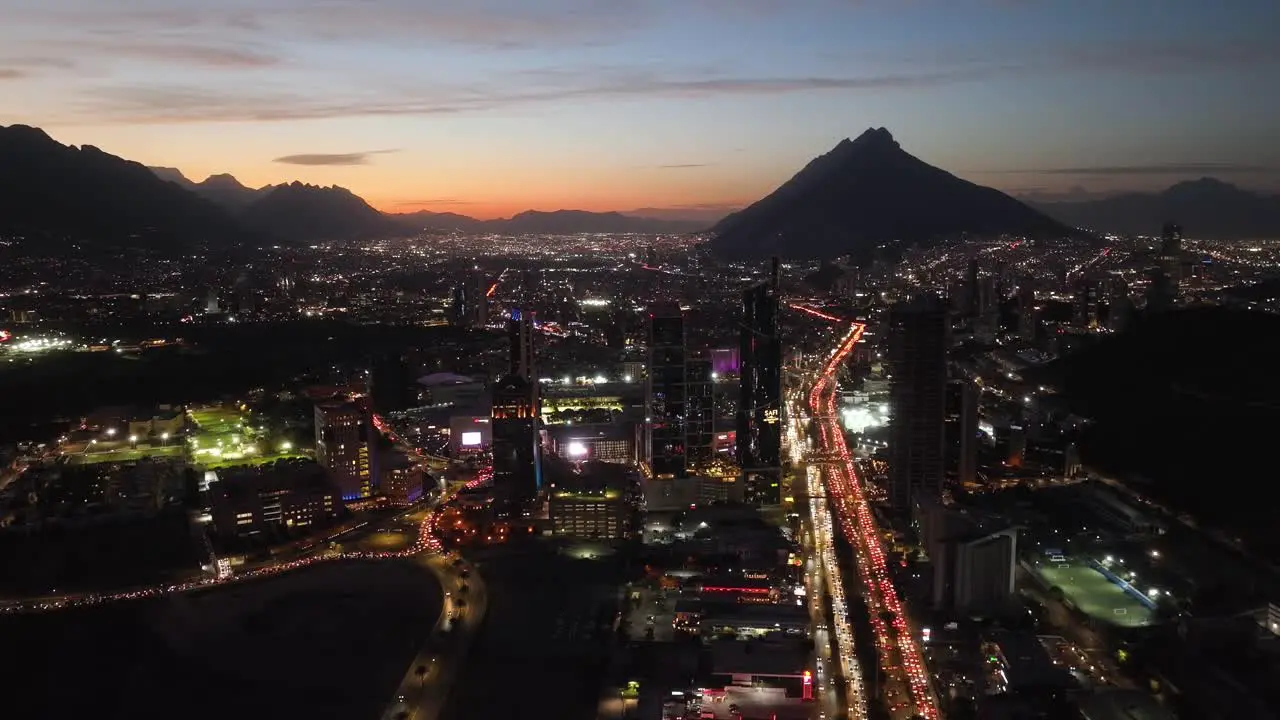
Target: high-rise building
1026 310
961 429
344 448
391 386
1087 303
918 336
1171 240
699 414
520 334
759 435
665 395
517 460
471 301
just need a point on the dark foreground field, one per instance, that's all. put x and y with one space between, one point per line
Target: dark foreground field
327 642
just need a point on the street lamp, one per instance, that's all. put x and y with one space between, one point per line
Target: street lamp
133 440
111 432
164 438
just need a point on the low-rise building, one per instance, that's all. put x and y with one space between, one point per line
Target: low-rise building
597 514
246 501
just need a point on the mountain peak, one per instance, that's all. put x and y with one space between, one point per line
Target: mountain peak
875 137
868 191
222 180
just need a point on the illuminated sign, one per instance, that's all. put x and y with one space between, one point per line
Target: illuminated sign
577 449
5 335
771 416
471 439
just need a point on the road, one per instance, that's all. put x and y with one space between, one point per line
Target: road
837 479
427 680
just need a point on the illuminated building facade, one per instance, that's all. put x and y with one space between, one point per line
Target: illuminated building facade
665 395
699 414
760 409
517 461
961 428
247 501
600 515
917 398
344 440
520 334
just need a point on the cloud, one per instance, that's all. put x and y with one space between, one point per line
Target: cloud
356 158
206 55
11 74
1155 169
683 166
163 104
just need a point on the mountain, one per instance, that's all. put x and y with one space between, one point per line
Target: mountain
51 190
1207 208
867 191
305 213
564 222
173 175
558 222
226 191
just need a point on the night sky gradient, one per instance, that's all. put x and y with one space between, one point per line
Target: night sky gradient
489 107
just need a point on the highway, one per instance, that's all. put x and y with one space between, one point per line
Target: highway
907 688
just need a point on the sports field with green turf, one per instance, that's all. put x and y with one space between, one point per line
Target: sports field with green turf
1094 594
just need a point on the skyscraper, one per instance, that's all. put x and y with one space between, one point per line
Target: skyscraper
961 428
520 335
1171 240
471 301
918 332
665 394
760 411
391 386
517 460
517 452
700 413
344 448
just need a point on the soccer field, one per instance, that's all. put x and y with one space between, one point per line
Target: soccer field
1094 594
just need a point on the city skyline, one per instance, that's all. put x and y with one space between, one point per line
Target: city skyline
696 107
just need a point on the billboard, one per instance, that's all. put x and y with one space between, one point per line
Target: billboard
472 438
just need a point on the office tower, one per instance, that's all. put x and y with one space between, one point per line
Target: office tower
391 386
344 448
517 457
974 569
1162 291
760 409
471 301
973 291
699 414
665 394
1026 310
918 332
520 335
1086 304
961 430
461 315
1171 240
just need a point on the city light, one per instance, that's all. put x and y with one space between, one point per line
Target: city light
895 641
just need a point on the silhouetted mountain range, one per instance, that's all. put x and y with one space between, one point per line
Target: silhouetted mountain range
867 191
1207 208
306 212
558 222
52 191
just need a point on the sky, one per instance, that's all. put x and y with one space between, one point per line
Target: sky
680 107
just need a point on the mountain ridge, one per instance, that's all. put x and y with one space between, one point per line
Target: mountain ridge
866 191
63 192
1207 207
230 193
